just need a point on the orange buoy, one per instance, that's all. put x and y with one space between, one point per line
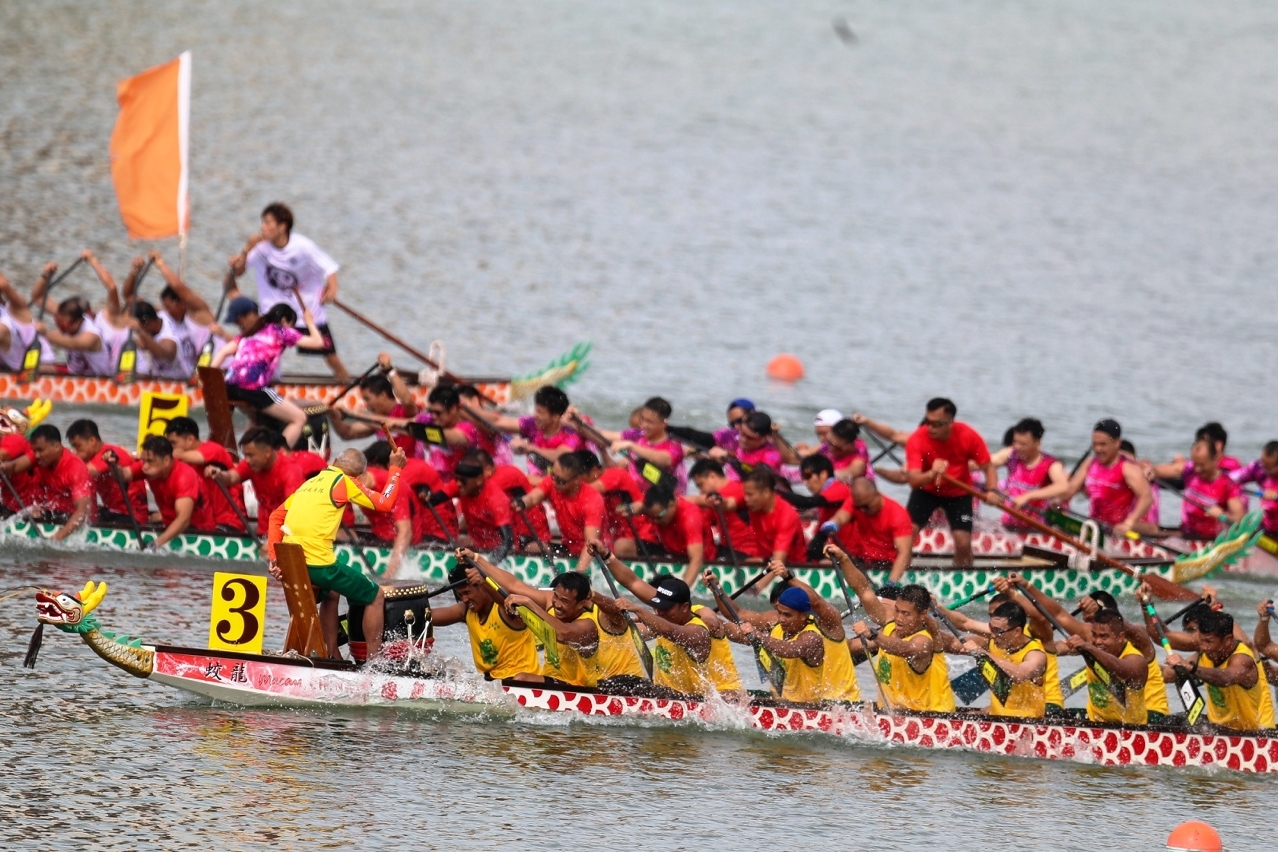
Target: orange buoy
1194 836
785 367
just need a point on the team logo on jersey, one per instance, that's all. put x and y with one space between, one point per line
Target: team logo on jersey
280 279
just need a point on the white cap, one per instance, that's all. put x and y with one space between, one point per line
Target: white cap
828 417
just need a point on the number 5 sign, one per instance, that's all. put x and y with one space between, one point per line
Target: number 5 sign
238 617
155 412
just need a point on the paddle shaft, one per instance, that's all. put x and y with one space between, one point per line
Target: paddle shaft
118 476
727 538
1087 453
402 345
750 585
885 449
55 282
8 483
344 391
239 513
645 655
448 535
1115 689
1193 702
1109 530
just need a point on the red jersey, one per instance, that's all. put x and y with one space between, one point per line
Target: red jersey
780 531
109 490
182 481
25 483
837 495
872 537
307 462
740 533
272 486
575 513
485 513
421 475
619 487
689 525
64 483
512 481
407 443
223 514
964 445
383 524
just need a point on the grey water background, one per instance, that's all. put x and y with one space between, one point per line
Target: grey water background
1054 209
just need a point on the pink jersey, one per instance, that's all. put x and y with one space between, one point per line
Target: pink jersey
1255 472
766 455
1111 497
859 451
538 440
1022 479
1200 495
675 449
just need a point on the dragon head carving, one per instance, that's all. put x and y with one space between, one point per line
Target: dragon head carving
70 612
20 421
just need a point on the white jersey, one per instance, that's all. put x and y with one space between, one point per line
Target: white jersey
300 264
148 365
191 337
99 363
20 337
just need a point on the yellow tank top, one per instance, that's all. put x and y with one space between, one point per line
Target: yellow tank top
314 517
1052 693
674 668
1102 706
500 651
721 667
1027 699
1156 690
840 675
1238 708
803 683
615 655
906 689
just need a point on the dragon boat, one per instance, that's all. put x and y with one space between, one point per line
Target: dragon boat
296 680
307 389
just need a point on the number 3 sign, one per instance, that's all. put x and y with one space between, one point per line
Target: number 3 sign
237 621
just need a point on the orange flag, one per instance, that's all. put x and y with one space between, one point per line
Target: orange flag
149 150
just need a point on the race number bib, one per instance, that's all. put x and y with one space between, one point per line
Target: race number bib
237 620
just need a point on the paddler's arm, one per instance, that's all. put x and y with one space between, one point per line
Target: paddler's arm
1069 622
828 618
403 538
79 515
1178 639
580 633
917 651
1233 511
1140 639
1139 485
1029 669
1040 628
621 571
1076 483
1240 670
965 623
184 508
661 458
399 387
916 477
1265 645
161 350
693 639
611 615
807 646
446 616
275 534
225 352
348 430
1058 486
881 429
875 608
584 558
196 307
378 502
504 578
1132 669
114 310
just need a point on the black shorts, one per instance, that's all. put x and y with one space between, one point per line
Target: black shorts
259 400
328 348
958 510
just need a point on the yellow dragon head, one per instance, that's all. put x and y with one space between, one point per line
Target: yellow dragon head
20 421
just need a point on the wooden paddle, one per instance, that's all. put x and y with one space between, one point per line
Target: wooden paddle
239 513
770 671
641 647
354 383
114 467
31 358
403 345
1163 588
1191 698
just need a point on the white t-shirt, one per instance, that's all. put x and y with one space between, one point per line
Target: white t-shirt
148 365
100 363
300 264
20 337
191 337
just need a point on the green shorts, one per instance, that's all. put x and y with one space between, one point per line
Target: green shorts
348 582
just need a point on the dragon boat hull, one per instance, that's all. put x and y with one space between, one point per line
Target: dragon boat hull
432 566
251 680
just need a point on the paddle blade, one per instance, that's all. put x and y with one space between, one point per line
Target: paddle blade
542 632
641 647
1166 590
1074 682
970 685
1191 698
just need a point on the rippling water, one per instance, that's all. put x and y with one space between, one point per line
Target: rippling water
1059 209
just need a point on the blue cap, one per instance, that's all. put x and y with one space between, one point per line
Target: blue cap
742 403
240 306
796 599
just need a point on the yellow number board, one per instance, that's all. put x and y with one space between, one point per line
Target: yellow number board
237 620
156 412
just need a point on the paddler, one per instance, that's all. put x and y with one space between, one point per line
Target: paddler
652 444
176 487
1264 473
873 528
681 654
17 326
86 442
500 642
1265 645
579 508
1034 478
64 481
284 262
92 342
724 500
1110 657
484 506
624 523
184 434
274 472
1211 498
682 530
1019 656
805 633
593 646
943 445
384 394
1116 486
311 517
911 666
776 524
190 318
543 431
423 490
1238 695
719 668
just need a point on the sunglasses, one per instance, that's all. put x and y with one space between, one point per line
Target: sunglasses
736 422
937 424
1007 630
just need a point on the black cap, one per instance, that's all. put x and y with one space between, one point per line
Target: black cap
671 591
145 312
1109 426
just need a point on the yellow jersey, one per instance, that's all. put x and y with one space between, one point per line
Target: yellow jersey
674 668
1027 699
721 667
1156 690
615 655
313 513
1235 707
1102 706
906 689
500 650
803 683
1052 693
